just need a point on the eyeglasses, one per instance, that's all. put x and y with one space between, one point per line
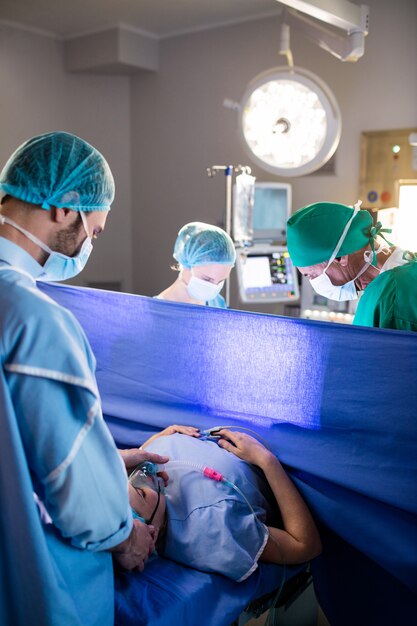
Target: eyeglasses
145 476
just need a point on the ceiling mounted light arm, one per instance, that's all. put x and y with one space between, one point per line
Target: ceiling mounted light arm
288 119
284 44
349 47
341 13
345 15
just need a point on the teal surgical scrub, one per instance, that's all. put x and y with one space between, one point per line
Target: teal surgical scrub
390 301
63 486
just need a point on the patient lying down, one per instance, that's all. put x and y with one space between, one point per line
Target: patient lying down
226 526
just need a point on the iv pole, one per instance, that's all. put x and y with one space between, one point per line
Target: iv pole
228 170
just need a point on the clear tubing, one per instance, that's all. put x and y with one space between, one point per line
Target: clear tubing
213 475
195 466
204 469
242 495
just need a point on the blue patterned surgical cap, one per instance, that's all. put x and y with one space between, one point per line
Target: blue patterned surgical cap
59 169
203 244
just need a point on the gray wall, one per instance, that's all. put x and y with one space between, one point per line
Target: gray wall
179 125
159 131
37 96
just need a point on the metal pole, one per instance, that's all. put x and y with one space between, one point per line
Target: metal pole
229 179
228 171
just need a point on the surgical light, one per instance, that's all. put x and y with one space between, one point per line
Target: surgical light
289 121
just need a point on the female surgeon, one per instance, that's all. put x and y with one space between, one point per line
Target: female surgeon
205 256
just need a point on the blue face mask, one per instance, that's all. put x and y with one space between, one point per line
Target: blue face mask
58 266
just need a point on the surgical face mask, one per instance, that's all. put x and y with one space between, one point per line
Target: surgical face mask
58 266
324 287
200 289
322 283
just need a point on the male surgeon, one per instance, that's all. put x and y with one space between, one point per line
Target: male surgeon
341 252
63 485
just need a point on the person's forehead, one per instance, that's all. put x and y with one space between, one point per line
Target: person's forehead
312 269
215 271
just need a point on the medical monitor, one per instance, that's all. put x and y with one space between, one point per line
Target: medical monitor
271 210
266 274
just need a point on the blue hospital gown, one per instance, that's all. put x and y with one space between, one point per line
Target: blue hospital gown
210 526
54 565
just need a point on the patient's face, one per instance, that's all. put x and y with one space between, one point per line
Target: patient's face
144 500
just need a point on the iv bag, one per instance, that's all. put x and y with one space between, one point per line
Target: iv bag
243 209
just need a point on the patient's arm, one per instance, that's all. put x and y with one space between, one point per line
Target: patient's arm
299 541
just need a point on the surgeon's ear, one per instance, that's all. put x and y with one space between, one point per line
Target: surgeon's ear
61 215
343 260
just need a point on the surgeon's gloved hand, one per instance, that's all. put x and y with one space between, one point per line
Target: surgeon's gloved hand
133 553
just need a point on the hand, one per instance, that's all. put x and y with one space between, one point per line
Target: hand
175 428
243 446
134 456
170 430
133 553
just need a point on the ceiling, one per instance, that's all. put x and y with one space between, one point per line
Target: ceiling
160 18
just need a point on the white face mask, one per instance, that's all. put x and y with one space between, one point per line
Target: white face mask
322 283
200 289
58 266
324 287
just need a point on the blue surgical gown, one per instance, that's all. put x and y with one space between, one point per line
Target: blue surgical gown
63 486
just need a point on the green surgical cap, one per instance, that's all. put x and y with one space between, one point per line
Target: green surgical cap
314 231
203 244
59 169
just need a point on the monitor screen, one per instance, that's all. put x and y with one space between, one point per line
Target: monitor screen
271 210
268 276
